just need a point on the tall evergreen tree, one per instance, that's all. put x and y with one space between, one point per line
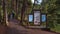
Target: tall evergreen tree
5 18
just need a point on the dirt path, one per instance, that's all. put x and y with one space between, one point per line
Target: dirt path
14 28
3 29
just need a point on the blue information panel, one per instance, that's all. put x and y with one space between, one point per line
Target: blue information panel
43 18
30 18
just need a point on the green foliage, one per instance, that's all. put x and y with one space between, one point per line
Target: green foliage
51 7
56 29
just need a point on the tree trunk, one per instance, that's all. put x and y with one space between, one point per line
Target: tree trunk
16 9
23 10
5 18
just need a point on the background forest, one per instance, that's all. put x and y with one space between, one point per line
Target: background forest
21 9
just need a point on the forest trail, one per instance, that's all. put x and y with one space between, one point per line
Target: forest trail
18 29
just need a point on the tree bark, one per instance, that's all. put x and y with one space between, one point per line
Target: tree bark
5 18
23 10
16 9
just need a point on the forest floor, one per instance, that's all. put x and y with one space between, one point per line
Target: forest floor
14 28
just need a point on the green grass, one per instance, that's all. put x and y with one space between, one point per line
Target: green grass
57 28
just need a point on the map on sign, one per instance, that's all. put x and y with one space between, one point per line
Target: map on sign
36 17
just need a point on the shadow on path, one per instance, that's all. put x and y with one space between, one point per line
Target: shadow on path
15 31
48 30
3 29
